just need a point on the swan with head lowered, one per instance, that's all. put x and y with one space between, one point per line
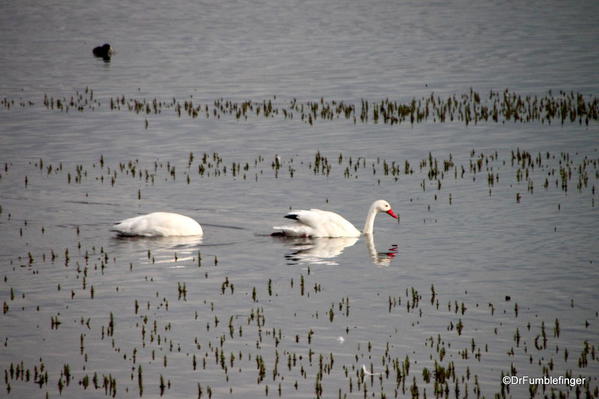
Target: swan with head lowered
319 223
158 224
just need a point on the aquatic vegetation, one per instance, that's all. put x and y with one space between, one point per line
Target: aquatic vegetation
468 108
520 171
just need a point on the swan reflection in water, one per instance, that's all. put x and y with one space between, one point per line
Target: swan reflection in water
323 251
162 249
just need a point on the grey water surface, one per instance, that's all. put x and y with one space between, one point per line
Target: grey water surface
491 271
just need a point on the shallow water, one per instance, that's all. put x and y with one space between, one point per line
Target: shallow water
503 260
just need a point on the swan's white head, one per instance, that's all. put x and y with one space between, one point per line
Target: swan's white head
383 206
376 207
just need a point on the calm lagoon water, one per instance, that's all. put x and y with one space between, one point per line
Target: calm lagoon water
477 281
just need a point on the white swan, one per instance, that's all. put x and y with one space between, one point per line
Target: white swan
318 223
158 224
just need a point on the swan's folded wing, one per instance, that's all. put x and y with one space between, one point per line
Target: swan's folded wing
335 225
306 224
319 223
312 218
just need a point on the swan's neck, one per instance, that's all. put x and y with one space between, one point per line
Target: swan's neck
369 225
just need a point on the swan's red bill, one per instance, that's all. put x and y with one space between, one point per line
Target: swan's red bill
392 214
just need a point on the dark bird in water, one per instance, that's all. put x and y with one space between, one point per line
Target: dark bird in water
104 51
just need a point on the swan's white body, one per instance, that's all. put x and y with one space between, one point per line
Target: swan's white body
159 224
319 223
